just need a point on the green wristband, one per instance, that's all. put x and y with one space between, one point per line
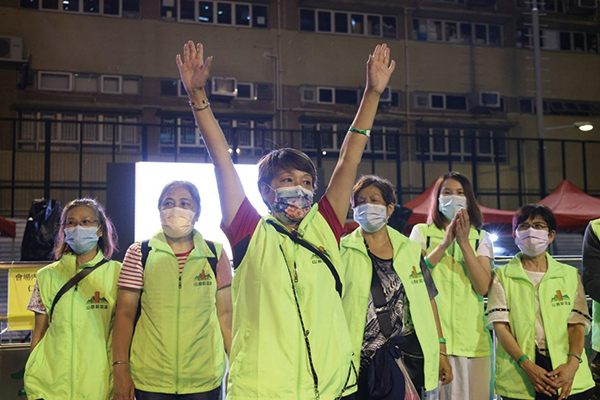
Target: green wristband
522 358
443 340
576 356
366 132
430 265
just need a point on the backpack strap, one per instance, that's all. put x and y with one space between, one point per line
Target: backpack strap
72 282
213 260
145 252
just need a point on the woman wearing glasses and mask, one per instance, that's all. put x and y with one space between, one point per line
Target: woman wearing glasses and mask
459 255
538 309
71 349
182 286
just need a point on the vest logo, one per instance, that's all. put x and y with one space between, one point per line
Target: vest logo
416 276
203 279
560 299
97 302
315 259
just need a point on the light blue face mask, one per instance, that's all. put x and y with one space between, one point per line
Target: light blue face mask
450 205
371 217
80 239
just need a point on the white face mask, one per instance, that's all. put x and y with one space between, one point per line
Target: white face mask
450 205
371 217
177 222
532 242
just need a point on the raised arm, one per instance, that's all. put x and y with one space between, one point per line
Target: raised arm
194 71
379 70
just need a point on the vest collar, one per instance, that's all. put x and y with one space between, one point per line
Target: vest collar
200 250
70 260
514 269
356 241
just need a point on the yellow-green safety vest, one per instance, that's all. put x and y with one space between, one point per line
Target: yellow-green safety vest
73 359
177 345
556 294
595 305
269 358
406 263
460 308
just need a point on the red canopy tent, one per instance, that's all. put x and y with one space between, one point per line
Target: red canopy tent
421 205
572 207
8 228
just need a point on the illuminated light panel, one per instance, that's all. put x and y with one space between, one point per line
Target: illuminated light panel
151 177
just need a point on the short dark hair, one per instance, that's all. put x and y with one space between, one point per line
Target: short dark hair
437 218
107 242
530 211
189 186
388 191
284 159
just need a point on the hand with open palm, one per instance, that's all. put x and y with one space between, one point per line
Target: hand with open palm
379 69
194 70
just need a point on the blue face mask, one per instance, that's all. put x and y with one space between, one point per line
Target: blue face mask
450 205
80 239
371 217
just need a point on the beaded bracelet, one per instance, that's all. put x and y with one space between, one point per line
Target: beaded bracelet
119 362
366 132
444 354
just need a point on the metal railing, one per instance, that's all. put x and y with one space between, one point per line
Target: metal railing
416 158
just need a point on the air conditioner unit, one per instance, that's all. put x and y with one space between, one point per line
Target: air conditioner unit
11 48
386 96
489 99
224 87
587 3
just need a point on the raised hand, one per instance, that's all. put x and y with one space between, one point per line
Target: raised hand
463 226
379 68
194 70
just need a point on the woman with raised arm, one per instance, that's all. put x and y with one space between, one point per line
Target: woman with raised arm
290 337
74 303
460 254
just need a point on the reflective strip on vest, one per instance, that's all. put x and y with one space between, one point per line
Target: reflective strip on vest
407 264
178 346
556 294
460 308
73 359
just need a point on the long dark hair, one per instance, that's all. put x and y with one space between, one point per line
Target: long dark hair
437 218
107 242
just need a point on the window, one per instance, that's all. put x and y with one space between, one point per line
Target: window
85 83
169 87
442 144
456 32
111 84
131 85
245 91
489 99
222 13
56 81
115 8
96 130
526 106
560 40
308 94
168 8
438 101
328 21
325 95
346 96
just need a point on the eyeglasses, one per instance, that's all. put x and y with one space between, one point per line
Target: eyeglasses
85 223
536 225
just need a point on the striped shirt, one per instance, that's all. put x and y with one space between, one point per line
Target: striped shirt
132 271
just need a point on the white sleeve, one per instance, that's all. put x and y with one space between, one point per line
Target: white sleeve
497 309
580 313
486 247
416 235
